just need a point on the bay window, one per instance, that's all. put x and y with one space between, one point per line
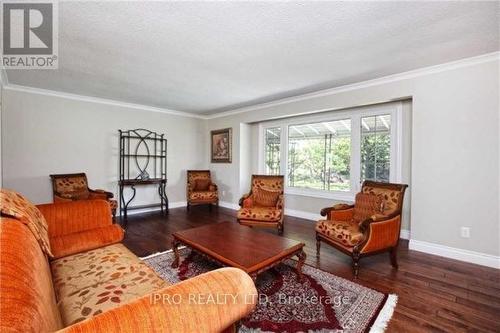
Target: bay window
330 155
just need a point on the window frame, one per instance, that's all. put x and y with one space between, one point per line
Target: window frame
394 109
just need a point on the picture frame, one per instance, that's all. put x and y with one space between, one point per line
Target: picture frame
221 145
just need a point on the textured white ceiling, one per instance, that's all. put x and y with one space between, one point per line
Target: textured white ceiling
206 57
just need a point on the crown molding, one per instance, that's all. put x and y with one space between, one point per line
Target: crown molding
359 85
90 99
471 61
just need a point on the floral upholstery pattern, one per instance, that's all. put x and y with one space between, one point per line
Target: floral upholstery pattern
98 298
74 188
203 196
17 206
75 272
391 197
269 183
91 282
200 189
271 214
345 232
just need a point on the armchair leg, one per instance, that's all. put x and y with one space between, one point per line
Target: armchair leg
393 256
280 229
318 246
355 264
188 206
210 207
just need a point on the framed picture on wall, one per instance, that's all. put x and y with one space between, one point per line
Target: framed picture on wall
222 146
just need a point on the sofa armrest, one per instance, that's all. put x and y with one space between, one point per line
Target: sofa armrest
64 218
183 307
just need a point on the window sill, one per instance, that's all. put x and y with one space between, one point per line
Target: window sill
337 195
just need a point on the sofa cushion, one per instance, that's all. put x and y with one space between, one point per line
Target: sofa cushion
101 297
345 232
366 205
17 206
73 273
270 214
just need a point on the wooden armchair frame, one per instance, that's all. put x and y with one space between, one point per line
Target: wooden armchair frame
381 232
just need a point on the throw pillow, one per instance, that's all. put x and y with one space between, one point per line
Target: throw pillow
16 206
264 198
201 184
367 205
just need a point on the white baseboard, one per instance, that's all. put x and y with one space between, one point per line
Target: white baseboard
405 234
176 204
229 205
455 253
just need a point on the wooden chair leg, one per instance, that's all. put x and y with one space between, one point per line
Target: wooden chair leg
280 229
393 257
355 264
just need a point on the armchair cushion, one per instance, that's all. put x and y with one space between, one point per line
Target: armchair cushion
267 214
366 205
265 198
347 233
203 196
201 184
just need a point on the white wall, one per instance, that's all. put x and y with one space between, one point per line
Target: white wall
455 147
43 135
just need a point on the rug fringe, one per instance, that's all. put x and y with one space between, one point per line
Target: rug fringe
160 253
385 314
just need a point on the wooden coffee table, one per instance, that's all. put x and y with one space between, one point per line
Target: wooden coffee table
234 245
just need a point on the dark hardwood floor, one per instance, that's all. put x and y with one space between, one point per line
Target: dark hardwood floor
435 294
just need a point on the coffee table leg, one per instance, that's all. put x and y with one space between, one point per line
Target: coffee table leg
175 243
300 263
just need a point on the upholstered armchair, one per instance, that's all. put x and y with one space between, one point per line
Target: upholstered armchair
74 186
372 225
200 189
263 206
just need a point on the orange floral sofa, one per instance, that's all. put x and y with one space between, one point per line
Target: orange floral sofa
263 206
64 269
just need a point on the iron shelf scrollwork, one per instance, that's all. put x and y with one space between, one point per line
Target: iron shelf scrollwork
143 161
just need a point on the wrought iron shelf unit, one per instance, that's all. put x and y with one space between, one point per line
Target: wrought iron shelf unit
143 161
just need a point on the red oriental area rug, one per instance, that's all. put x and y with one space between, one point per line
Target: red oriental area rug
321 302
